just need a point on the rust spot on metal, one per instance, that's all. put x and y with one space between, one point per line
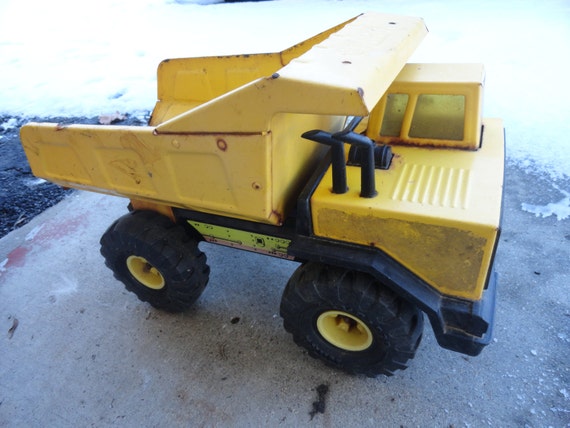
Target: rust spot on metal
256 185
396 141
127 167
222 145
278 216
165 210
202 134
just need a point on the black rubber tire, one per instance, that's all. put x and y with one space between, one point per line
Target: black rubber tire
395 325
166 247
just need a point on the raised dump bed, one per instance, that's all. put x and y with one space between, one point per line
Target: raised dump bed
225 135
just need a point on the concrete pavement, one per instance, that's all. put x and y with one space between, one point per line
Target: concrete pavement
76 349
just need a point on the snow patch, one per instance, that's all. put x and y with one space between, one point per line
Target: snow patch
35 182
3 264
9 124
560 209
200 2
83 65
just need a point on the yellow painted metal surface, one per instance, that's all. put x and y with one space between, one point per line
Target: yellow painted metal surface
220 144
165 210
437 212
345 75
419 85
223 174
185 83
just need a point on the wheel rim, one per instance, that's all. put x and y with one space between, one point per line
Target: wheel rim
344 331
145 273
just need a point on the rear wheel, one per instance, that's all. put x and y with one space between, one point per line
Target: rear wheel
156 260
350 320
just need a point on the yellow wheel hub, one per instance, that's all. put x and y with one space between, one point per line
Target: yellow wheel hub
145 273
344 331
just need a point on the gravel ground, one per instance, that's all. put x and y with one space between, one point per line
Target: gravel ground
23 196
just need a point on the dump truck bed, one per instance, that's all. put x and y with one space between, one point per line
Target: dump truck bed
219 144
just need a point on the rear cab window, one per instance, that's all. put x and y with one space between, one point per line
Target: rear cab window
432 105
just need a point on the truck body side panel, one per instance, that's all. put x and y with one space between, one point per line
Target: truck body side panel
255 176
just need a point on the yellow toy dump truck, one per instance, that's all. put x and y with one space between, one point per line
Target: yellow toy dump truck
380 177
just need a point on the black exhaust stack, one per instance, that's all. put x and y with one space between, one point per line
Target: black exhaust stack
363 152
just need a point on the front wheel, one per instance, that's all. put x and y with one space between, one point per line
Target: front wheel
156 260
350 320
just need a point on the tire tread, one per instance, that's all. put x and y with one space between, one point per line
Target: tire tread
315 287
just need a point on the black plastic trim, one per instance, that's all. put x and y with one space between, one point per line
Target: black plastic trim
304 221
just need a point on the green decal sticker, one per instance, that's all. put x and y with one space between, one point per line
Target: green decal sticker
256 242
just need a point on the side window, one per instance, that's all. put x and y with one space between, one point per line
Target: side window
394 114
439 117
